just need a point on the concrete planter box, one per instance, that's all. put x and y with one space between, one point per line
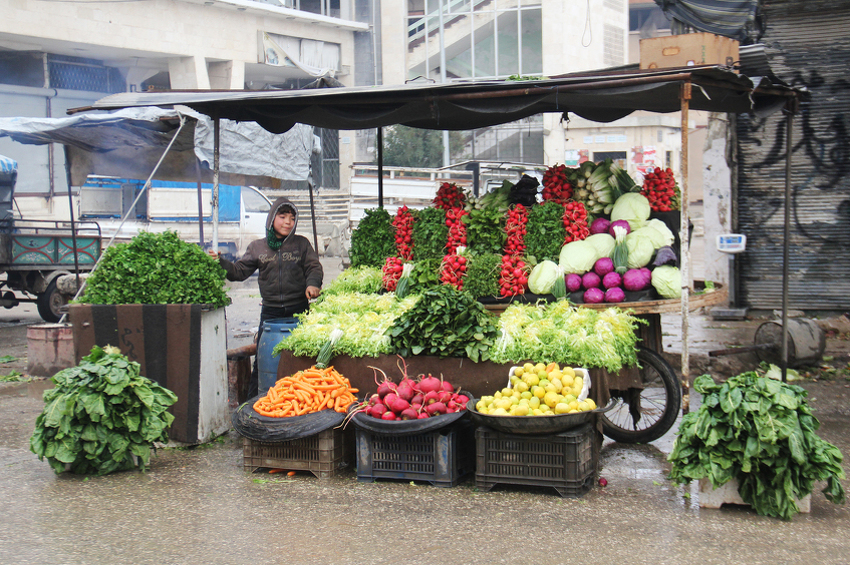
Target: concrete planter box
182 347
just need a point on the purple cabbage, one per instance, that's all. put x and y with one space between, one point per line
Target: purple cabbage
615 294
612 279
665 256
636 279
600 225
603 266
590 280
622 223
593 296
573 282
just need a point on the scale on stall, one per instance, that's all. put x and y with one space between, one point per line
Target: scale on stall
731 244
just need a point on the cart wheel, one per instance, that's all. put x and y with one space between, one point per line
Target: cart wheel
645 414
49 302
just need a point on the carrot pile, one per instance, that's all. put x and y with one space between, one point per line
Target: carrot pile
307 391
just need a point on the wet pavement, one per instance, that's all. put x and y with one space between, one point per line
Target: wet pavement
197 505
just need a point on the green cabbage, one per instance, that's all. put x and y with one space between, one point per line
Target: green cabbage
632 207
603 243
667 280
578 257
640 248
543 277
654 236
662 229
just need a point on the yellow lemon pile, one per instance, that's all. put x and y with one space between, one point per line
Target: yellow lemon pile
538 390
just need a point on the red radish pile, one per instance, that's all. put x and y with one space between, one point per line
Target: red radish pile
575 222
452 270
449 196
513 278
392 269
412 399
515 227
457 229
659 187
555 184
403 224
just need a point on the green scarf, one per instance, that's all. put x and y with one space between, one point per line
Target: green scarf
272 240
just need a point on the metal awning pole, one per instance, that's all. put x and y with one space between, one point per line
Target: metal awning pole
379 142
685 251
312 207
786 236
200 203
216 164
71 206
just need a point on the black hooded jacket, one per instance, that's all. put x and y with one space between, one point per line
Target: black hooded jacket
285 273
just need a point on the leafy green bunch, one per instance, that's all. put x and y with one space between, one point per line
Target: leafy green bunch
364 279
430 233
373 240
482 275
100 414
545 231
485 229
156 268
760 432
445 322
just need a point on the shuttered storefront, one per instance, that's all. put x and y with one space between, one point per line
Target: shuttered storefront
807 45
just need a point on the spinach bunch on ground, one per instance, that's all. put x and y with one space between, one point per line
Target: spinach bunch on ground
545 232
156 268
373 240
445 322
430 233
760 432
100 414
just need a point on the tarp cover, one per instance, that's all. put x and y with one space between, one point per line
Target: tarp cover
135 138
720 17
600 96
7 166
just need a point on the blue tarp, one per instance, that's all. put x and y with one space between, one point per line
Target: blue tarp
8 165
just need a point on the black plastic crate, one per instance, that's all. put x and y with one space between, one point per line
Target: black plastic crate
441 457
563 461
324 454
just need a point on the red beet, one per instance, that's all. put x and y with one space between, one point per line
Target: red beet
418 399
405 391
430 383
431 397
378 410
409 414
388 416
436 408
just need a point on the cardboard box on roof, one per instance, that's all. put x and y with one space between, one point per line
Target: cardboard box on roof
687 50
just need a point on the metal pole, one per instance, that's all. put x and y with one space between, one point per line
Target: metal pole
684 247
380 146
71 207
312 207
786 236
200 203
216 164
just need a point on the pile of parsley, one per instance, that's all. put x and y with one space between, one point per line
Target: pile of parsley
373 240
760 432
156 268
102 416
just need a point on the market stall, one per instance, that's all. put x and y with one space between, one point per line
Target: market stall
599 96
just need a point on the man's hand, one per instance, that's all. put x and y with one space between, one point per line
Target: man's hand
312 292
213 253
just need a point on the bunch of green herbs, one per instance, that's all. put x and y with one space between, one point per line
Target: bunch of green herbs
760 432
430 233
156 268
482 274
565 334
363 319
100 415
545 231
445 322
373 240
425 274
485 230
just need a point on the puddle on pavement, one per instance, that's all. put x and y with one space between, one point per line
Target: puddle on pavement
32 389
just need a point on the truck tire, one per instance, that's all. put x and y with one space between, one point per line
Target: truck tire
49 303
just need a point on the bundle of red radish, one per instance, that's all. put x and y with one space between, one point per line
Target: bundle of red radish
515 228
403 224
659 187
449 196
513 278
555 184
453 269
575 222
412 399
392 272
457 229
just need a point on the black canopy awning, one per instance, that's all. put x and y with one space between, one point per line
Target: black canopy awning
601 96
